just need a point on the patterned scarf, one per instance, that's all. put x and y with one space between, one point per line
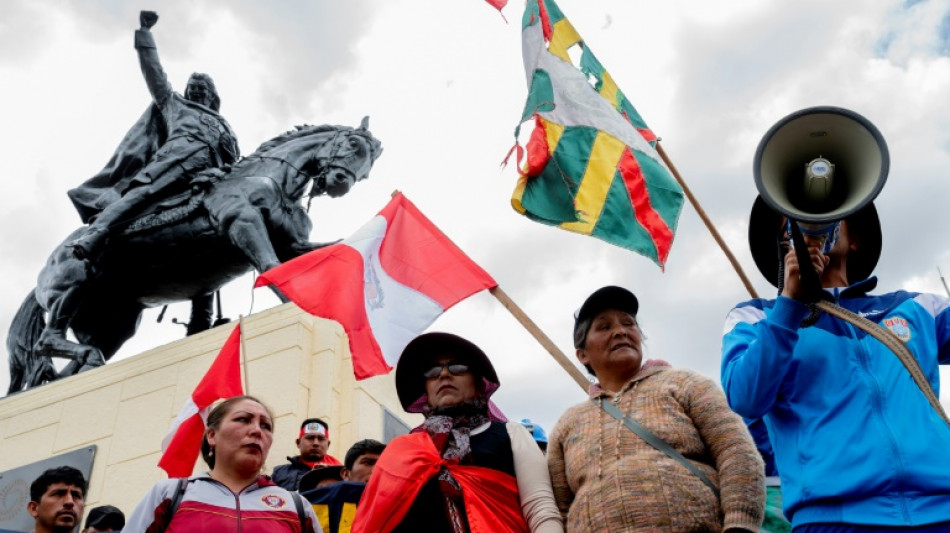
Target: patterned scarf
451 429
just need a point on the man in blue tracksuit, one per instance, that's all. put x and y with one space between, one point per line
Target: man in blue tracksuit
856 442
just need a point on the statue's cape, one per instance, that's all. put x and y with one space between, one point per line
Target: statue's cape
133 153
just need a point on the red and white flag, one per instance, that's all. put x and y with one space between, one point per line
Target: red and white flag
222 380
385 284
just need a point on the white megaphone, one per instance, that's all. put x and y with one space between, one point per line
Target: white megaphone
821 164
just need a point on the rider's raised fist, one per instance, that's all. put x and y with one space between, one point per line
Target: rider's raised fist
147 19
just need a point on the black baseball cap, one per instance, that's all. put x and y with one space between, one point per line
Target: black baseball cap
609 297
105 517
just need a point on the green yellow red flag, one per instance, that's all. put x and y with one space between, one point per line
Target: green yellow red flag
591 165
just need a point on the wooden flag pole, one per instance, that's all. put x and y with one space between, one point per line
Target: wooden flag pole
535 331
709 224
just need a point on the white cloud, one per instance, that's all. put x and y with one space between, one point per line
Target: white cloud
443 84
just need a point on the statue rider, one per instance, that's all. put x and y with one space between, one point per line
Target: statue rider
175 139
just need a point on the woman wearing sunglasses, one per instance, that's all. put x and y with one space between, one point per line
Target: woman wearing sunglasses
464 469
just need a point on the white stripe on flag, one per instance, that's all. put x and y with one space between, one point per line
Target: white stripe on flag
576 102
397 313
187 411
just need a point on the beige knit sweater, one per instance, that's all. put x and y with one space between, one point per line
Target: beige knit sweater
606 478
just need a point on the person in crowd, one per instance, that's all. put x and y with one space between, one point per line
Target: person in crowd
537 432
233 496
463 469
360 459
608 478
104 518
57 498
313 441
336 502
854 436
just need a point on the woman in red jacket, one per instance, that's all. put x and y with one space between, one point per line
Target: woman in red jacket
233 496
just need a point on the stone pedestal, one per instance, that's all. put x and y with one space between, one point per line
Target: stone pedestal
297 364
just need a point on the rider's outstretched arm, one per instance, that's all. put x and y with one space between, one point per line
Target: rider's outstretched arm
155 77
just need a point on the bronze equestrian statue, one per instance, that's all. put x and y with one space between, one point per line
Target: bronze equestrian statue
182 240
250 219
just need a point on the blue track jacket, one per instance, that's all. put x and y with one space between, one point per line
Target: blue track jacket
855 440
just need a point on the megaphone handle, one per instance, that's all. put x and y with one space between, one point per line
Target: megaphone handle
811 284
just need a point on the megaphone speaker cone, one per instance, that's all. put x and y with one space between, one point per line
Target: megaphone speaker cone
821 164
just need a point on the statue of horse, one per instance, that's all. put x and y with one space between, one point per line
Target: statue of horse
249 218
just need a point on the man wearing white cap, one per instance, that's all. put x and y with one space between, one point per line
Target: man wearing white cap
313 443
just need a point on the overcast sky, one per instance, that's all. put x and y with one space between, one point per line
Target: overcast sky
443 83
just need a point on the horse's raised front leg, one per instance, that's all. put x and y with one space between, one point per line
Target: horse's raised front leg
244 225
309 246
247 231
294 227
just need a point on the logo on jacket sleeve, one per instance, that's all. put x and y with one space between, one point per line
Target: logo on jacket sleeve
898 327
273 501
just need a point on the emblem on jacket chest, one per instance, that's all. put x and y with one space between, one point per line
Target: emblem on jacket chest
273 501
898 327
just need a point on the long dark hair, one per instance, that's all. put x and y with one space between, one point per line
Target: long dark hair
214 422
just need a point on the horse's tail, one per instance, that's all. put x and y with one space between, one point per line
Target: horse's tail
27 326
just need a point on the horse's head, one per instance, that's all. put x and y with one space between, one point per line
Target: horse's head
332 157
345 160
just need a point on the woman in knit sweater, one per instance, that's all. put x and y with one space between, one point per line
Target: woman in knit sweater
606 478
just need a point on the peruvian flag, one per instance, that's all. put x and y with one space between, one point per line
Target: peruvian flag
385 284
223 380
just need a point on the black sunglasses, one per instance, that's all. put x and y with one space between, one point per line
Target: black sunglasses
454 368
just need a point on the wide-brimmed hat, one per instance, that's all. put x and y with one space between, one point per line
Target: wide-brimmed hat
418 355
311 479
765 225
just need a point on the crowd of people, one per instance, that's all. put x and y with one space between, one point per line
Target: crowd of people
813 414
833 415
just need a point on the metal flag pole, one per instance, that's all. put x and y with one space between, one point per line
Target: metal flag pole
243 351
943 281
707 222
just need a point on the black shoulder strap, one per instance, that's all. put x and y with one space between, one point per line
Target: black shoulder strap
298 503
175 502
650 438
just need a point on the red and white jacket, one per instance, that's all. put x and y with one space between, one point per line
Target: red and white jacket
208 505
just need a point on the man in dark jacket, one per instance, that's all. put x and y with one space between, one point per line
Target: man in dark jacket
313 443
